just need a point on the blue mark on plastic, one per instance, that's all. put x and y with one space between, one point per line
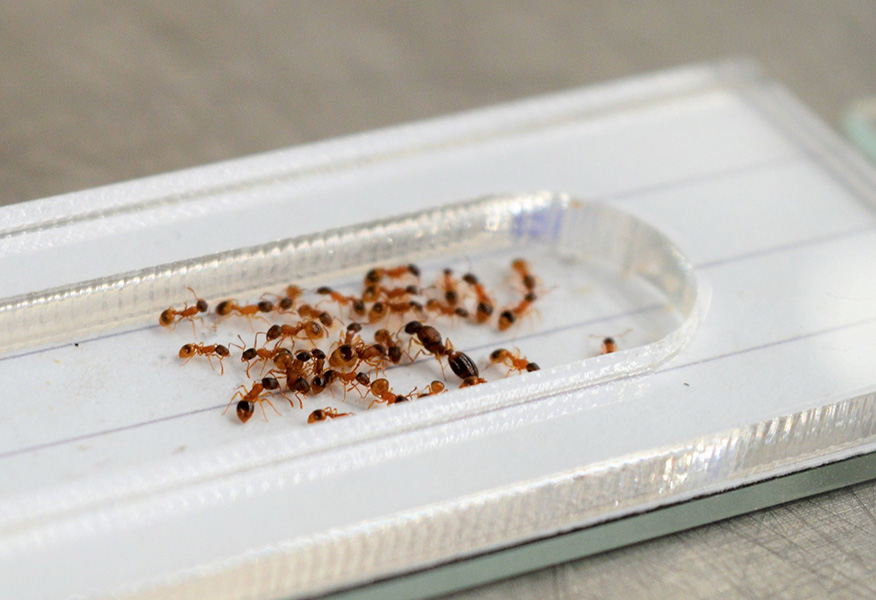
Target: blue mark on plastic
539 224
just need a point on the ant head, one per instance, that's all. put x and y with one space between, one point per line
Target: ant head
373 276
497 354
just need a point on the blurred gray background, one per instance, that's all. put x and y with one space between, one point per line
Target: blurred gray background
95 93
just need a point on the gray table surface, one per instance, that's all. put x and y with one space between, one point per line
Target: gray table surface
95 93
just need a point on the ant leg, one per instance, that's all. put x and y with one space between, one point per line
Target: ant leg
233 398
242 343
192 321
441 364
297 397
271 404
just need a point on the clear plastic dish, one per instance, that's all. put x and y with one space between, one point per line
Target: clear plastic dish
592 260
601 271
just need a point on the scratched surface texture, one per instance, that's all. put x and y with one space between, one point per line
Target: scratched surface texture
822 547
94 93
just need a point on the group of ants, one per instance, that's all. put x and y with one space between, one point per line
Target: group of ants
388 294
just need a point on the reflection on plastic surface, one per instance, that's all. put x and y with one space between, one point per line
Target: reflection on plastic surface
579 230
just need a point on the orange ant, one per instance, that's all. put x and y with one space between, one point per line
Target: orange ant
344 357
373 355
308 312
312 330
470 381
390 342
350 380
227 307
286 303
375 276
318 360
323 414
170 317
609 344
356 305
293 365
514 361
373 293
451 296
297 384
436 387
351 337
190 350
248 355
347 357
257 393
379 310
484 308
521 267
509 316
382 392
437 306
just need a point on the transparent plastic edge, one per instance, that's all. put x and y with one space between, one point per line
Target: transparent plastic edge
272 167
433 535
